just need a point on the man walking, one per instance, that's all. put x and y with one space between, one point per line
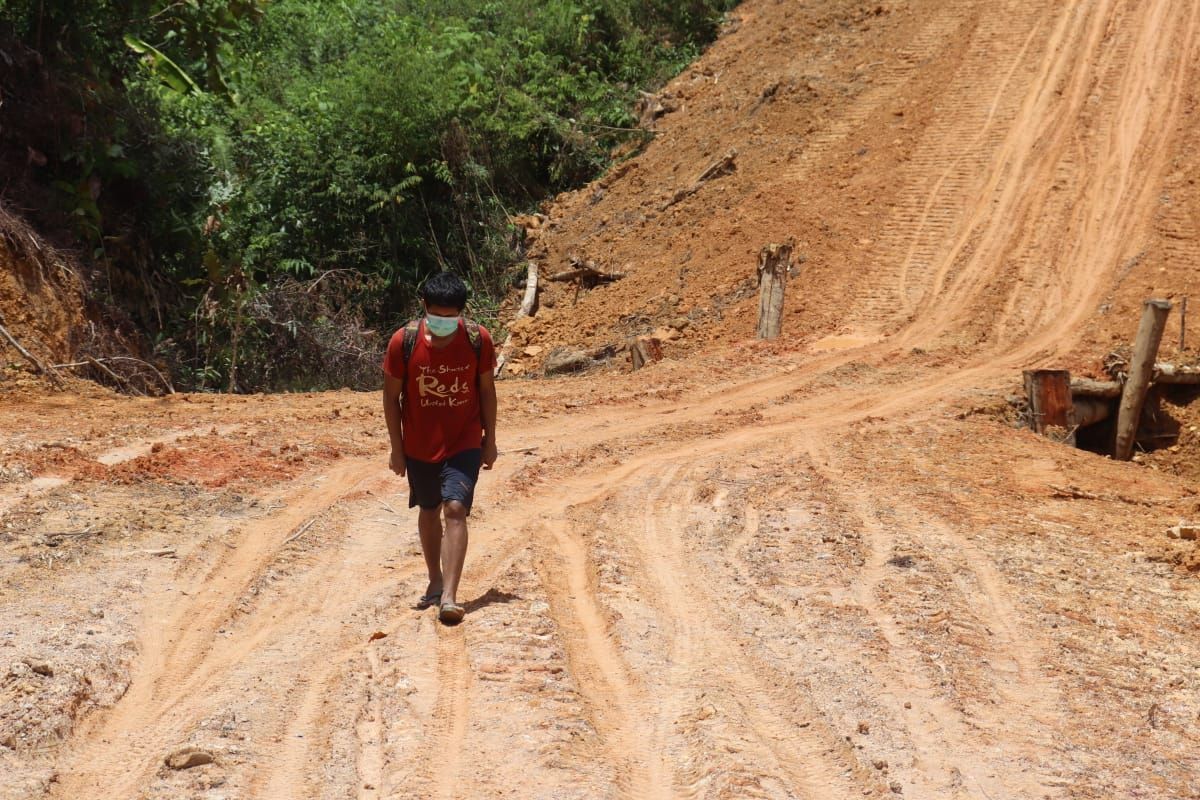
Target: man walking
439 399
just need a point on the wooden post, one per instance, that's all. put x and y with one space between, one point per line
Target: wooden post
1182 323
1050 401
773 263
1141 369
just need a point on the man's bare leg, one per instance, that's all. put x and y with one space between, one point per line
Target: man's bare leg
429 523
454 553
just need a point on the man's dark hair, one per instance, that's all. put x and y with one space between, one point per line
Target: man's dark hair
445 289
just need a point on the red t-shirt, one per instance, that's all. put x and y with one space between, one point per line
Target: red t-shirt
441 394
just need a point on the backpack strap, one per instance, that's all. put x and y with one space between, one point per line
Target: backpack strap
475 337
411 329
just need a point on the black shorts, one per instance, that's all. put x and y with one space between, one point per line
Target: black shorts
432 483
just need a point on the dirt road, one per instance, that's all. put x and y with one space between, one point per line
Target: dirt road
824 567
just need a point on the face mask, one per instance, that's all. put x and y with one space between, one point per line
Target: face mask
441 326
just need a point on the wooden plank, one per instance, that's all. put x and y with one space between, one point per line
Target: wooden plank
1141 370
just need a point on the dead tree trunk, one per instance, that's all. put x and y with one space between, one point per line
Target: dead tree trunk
773 264
1050 402
1141 370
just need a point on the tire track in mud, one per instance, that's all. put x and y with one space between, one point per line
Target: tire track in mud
940 732
182 658
946 170
370 731
450 711
618 704
793 749
998 260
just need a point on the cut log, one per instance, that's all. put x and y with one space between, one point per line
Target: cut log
1141 368
773 263
586 273
645 350
1090 410
1086 387
1050 403
526 310
531 282
1170 373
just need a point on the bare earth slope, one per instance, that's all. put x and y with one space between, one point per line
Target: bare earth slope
816 568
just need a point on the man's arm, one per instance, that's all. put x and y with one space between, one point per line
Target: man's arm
392 388
487 415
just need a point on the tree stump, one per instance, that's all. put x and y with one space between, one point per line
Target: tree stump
1141 370
1051 406
773 264
645 350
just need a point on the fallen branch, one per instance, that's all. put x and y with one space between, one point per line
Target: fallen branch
68 534
303 529
525 450
159 551
1170 373
121 382
1075 493
30 357
107 359
722 166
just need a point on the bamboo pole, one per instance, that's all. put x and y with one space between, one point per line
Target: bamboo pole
1141 370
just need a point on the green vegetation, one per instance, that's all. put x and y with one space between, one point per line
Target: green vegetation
264 183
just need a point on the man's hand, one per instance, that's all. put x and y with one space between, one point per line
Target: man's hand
489 453
398 463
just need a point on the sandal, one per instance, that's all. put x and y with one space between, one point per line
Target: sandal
428 600
451 613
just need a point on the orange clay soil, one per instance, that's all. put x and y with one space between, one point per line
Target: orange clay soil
822 567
